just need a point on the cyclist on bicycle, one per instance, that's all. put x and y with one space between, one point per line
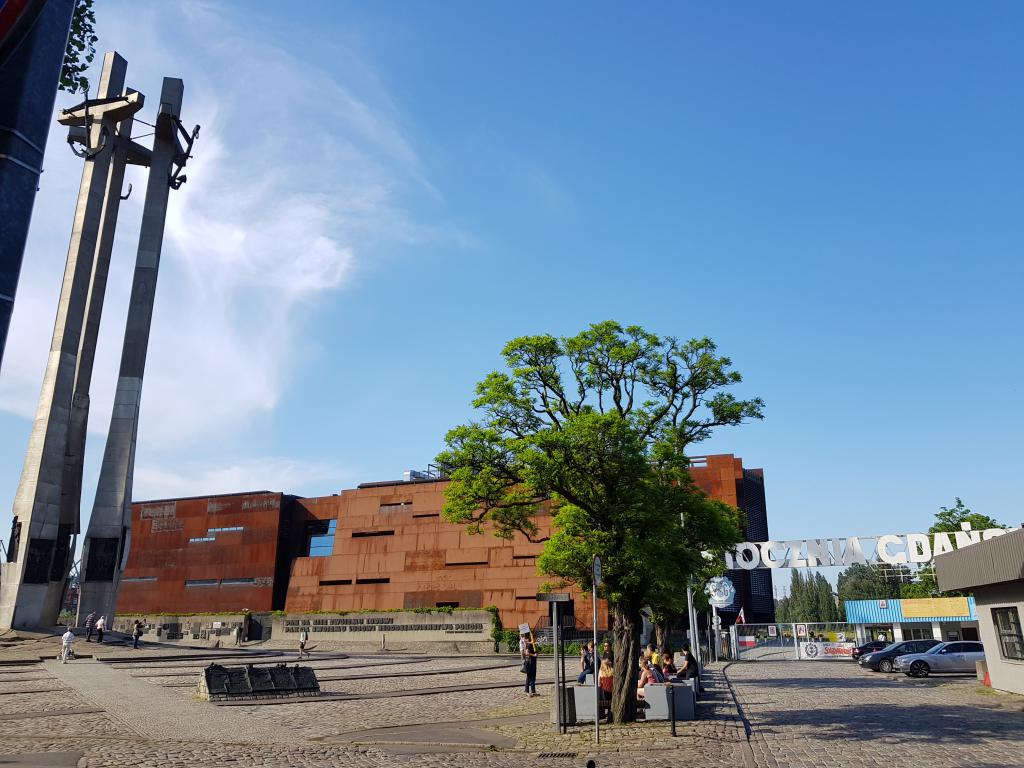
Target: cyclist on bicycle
66 651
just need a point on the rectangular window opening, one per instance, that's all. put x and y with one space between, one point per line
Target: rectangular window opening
368 534
525 597
524 557
241 582
1008 632
201 582
199 539
427 514
396 506
446 605
373 581
138 578
320 537
462 565
335 582
226 529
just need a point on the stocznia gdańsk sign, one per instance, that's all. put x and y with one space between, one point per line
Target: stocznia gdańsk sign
892 548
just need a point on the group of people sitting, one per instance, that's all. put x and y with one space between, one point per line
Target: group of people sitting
656 666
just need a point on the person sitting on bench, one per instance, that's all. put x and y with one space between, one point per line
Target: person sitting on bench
690 669
604 680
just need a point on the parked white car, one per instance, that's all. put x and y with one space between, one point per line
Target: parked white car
959 656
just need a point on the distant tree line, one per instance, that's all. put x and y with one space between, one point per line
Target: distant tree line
810 599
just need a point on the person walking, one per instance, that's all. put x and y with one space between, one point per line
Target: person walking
101 625
528 649
303 639
90 624
136 633
66 641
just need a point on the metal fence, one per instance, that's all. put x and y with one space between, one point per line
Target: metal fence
791 642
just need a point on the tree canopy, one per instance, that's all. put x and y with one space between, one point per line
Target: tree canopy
594 428
81 49
810 600
874 581
947 520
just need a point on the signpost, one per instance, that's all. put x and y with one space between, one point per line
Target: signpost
555 598
597 682
721 594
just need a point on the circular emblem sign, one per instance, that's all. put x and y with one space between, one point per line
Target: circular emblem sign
720 591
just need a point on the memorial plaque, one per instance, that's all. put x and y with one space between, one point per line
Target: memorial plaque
219 683
305 679
283 680
260 679
238 682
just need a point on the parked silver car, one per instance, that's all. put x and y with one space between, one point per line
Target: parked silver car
957 656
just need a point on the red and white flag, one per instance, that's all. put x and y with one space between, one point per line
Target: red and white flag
739 617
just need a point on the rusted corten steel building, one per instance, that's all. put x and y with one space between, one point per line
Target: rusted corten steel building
391 549
723 477
204 554
378 546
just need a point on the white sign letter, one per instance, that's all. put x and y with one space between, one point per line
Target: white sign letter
886 556
747 556
795 561
817 553
942 544
853 553
919 547
766 554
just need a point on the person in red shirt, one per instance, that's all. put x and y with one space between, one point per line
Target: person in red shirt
604 679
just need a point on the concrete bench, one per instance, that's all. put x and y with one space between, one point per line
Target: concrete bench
656 698
581 703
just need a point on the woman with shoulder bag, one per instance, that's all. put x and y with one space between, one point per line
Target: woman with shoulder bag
528 650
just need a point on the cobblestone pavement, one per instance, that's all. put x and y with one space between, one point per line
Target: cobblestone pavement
800 714
835 714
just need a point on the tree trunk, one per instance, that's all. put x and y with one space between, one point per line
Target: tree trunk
626 671
661 634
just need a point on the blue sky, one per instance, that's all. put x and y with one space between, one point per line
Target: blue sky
383 194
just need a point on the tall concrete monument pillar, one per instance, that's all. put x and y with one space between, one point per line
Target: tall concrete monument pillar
47 504
106 544
33 579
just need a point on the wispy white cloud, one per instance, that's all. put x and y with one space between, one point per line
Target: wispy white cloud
299 181
264 474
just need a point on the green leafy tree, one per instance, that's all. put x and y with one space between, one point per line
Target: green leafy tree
947 520
81 49
594 428
874 581
825 607
810 600
668 600
782 612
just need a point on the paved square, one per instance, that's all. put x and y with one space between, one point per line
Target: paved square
138 708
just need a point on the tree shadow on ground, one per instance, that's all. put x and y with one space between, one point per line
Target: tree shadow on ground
905 723
877 680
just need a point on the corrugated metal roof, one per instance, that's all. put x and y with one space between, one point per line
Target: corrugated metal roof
990 562
872 612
